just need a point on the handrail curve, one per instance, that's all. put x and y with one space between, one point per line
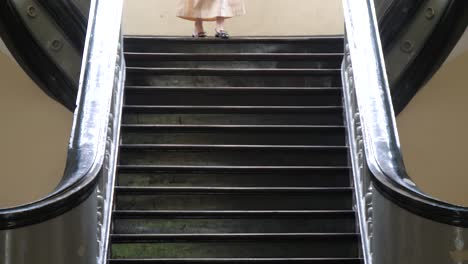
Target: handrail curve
380 135
90 124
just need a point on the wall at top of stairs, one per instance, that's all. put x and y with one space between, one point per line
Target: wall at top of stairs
264 17
33 139
4 49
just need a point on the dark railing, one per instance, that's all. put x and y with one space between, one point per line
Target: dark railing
417 36
72 22
399 223
71 224
47 39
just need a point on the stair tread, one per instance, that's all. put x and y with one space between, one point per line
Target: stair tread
252 39
240 260
246 55
194 122
286 89
216 110
189 167
248 108
226 147
233 70
160 189
237 260
162 126
233 168
307 54
233 96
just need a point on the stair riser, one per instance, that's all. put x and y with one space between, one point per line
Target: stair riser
213 226
317 179
216 46
326 63
251 157
319 137
284 249
297 201
227 155
149 79
334 117
241 261
233 97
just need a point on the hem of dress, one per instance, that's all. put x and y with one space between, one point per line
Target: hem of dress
210 19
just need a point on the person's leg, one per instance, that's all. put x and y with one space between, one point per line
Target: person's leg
199 31
220 24
220 32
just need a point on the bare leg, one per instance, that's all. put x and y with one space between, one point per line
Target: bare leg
220 24
220 32
198 27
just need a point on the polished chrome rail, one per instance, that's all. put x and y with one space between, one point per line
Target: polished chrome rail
71 224
399 223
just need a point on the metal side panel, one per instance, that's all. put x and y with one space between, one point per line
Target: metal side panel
50 37
410 42
399 223
83 6
71 239
405 238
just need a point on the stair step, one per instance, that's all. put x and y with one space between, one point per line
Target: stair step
215 77
234 45
246 96
130 175
233 115
229 109
240 260
234 152
230 237
234 60
226 190
164 226
233 155
157 198
179 222
240 135
235 245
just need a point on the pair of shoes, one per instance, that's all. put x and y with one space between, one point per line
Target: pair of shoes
199 35
222 34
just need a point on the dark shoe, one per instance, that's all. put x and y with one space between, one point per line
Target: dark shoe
222 34
199 35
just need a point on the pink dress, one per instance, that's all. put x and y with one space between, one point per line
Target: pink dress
208 10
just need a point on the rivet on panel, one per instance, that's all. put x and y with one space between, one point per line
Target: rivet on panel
407 46
31 11
56 45
430 13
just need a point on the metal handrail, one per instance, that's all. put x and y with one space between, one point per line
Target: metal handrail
380 133
89 132
79 209
386 197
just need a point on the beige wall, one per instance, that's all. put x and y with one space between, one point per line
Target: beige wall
434 134
4 49
33 138
264 17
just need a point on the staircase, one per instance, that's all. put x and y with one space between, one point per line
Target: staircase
234 152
